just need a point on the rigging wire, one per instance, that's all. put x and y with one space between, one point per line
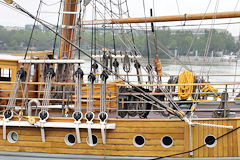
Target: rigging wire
113 33
115 63
92 39
119 37
167 52
161 104
55 38
31 35
236 65
146 32
95 28
163 90
195 37
104 32
209 40
51 4
235 8
79 28
131 29
179 13
196 95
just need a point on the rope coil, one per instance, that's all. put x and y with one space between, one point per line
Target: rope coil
184 92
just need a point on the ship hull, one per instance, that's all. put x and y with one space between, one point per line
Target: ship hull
120 141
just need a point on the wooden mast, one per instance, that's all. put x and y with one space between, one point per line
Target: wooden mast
68 27
64 71
185 17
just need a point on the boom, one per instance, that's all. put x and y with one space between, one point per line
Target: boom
185 17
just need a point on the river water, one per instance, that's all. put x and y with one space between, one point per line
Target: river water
169 68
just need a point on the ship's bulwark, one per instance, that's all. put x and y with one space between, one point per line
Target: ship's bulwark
120 140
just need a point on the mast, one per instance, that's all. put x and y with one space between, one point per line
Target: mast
68 27
185 17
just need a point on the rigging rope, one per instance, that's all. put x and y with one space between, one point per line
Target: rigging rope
80 27
158 66
20 76
78 89
31 35
146 31
14 91
195 36
91 79
92 39
115 63
184 92
210 89
47 90
211 141
209 40
55 38
165 50
145 95
104 77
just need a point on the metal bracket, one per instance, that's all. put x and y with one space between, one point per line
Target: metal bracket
89 123
103 127
5 121
78 131
42 130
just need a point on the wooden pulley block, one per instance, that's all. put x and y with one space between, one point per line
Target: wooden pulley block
9 1
31 120
20 114
66 111
193 108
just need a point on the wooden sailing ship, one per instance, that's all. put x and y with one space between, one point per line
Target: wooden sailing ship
48 105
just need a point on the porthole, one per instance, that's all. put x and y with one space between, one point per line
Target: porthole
138 141
94 140
210 141
12 137
166 141
70 139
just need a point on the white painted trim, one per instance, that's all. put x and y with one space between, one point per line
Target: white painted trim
165 146
212 145
135 143
67 141
9 137
59 61
118 56
55 125
91 143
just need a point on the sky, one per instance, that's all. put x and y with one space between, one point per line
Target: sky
9 17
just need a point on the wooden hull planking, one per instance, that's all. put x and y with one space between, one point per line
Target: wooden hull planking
119 142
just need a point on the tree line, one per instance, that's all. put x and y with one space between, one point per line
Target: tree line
17 40
179 40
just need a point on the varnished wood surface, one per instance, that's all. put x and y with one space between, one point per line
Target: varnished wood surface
225 147
120 140
185 17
